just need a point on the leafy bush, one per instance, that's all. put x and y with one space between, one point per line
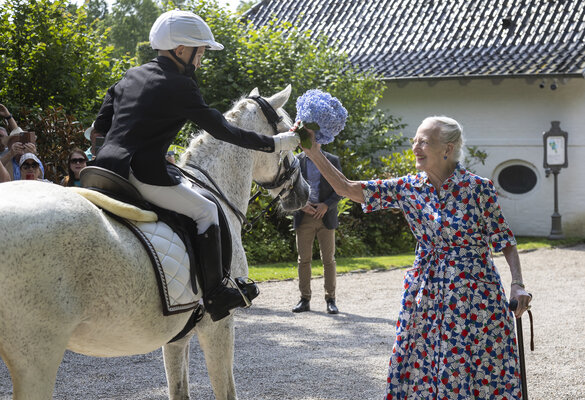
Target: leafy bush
57 133
52 57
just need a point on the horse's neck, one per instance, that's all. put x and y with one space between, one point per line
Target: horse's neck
230 167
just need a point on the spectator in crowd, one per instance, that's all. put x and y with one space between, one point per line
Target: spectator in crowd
4 175
4 113
15 147
12 158
5 154
96 140
31 168
455 334
3 142
76 161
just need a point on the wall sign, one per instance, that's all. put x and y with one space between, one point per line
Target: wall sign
555 147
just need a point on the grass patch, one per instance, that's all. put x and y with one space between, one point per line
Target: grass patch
288 270
530 243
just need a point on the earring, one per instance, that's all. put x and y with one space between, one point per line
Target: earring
444 157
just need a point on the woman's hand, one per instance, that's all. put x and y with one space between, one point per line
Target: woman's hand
522 297
315 147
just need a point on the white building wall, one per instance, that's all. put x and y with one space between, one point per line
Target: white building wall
507 119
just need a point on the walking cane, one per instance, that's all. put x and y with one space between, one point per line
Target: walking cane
519 334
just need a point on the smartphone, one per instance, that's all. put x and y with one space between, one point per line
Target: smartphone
22 137
99 142
26 137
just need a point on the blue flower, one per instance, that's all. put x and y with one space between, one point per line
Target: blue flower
324 110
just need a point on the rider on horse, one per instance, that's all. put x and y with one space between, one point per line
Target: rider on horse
141 116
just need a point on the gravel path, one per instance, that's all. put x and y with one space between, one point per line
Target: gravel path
310 356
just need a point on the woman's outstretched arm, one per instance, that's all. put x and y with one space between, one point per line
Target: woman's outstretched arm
342 186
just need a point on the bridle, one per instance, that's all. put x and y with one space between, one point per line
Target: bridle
291 168
290 173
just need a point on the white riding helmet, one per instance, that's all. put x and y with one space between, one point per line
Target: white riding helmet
175 28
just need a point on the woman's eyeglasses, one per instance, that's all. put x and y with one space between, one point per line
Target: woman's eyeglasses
29 165
77 161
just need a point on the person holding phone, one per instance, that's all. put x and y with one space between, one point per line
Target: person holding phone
25 143
96 140
4 175
8 156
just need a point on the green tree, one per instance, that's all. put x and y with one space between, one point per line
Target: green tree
51 57
55 68
245 5
96 9
130 22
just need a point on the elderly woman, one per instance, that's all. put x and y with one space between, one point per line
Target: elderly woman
455 332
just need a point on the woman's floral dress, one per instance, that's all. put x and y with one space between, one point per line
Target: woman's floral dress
455 335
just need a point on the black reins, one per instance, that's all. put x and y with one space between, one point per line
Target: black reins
289 170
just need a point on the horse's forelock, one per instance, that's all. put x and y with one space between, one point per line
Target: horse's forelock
285 117
234 113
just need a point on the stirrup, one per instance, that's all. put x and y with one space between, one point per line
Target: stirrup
240 284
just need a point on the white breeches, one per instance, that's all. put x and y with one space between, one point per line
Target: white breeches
181 198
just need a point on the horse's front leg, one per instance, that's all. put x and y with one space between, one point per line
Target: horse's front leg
176 358
217 342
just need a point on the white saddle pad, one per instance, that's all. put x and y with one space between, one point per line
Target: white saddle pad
175 275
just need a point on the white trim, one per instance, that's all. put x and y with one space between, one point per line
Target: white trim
508 163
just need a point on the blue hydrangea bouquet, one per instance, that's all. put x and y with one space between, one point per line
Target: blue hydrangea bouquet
319 112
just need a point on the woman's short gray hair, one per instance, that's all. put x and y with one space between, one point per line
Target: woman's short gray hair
450 132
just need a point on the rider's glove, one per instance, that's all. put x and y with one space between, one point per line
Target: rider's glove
286 141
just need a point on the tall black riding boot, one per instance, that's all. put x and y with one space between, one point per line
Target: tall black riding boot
218 298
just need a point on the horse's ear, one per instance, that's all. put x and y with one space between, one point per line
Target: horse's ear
254 92
279 99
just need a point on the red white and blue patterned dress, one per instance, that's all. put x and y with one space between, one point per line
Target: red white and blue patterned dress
455 335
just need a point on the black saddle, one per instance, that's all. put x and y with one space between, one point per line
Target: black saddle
113 185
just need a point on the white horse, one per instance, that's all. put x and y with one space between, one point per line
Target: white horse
73 278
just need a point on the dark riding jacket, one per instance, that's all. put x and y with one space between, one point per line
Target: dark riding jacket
143 113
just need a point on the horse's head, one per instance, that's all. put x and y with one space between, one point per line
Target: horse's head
279 173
